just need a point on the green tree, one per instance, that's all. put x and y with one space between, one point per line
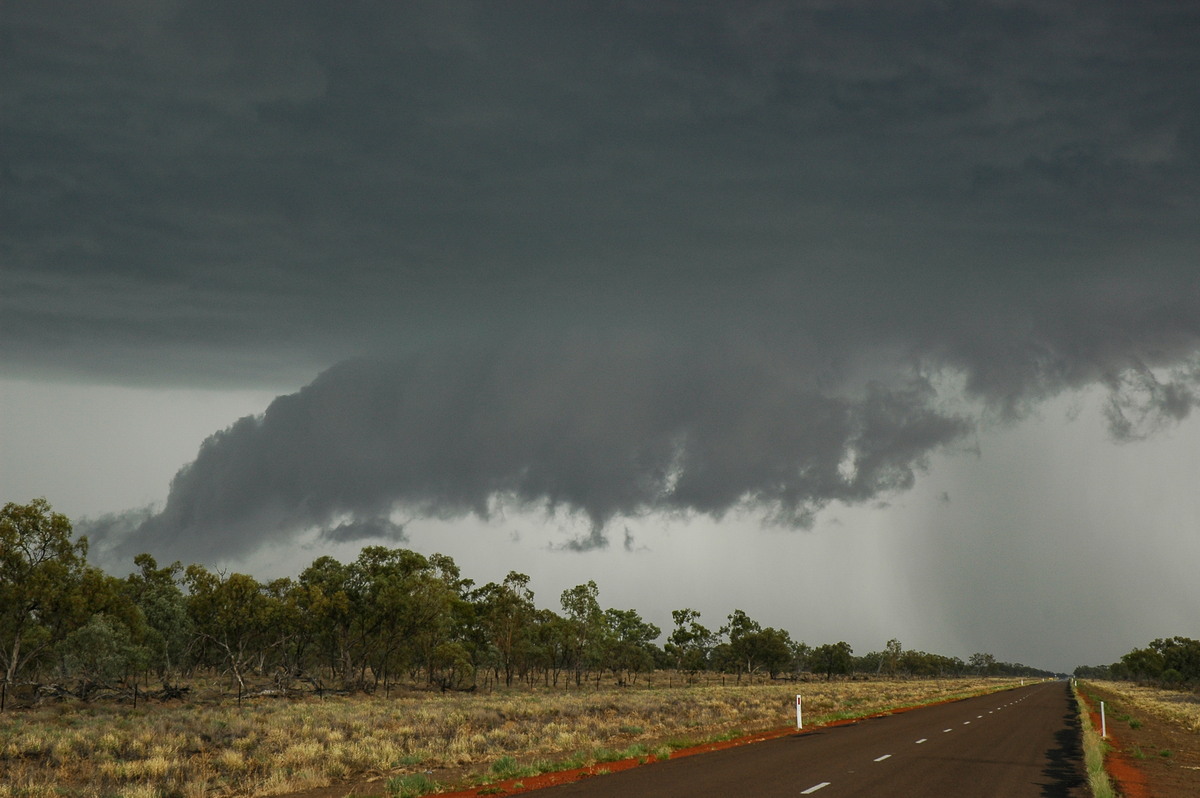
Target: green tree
234 615
157 593
752 648
41 569
631 646
100 653
328 601
690 642
587 628
506 612
982 662
403 608
892 654
773 650
832 658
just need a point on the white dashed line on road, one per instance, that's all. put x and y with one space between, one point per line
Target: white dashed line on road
923 739
885 756
814 788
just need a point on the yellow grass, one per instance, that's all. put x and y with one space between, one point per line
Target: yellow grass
273 746
1180 707
1094 749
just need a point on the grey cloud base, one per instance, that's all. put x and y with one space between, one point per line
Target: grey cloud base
603 428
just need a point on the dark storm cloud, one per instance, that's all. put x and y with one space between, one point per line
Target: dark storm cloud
603 428
615 258
216 191
367 529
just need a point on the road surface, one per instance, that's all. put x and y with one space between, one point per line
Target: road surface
1017 743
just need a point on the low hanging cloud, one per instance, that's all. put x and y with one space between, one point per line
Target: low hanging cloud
1141 403
608 428
759 258
629 419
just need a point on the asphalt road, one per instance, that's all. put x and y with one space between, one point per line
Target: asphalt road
1018 743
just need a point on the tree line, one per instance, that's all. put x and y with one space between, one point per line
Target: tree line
391 616
1170 662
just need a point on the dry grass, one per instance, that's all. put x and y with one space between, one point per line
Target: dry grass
1180 707
1094 749
273 746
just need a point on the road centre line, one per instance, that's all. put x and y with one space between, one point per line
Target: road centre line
814 788
923 739
885 756
947 730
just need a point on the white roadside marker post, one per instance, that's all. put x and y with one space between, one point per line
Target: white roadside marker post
799 713
1103 723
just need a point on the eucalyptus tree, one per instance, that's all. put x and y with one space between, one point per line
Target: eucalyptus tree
233 614
832 658
506 614
983 663
406 608
101 653
752 648
328 601
631 648
41 571
690 643
168 628
586 627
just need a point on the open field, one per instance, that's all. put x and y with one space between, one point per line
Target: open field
1156 733
1181 707
275 746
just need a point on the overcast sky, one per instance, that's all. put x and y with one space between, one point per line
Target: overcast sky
872 322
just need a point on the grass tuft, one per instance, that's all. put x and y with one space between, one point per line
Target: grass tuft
1094 749
414 785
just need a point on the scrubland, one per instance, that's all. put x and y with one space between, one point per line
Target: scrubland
1181 707
271 746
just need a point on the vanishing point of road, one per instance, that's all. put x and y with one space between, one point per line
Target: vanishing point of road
1017 743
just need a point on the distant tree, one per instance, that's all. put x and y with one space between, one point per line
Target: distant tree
41 570
1093 672
554 643
631 646
800 656
330 603
1168 660
101 653
752 648
690 642
831 658
740 630
157 593
982 663
890 662
506 613
587 628
1144 663
773 650
233 614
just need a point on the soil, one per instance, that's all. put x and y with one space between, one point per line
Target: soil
1158 759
